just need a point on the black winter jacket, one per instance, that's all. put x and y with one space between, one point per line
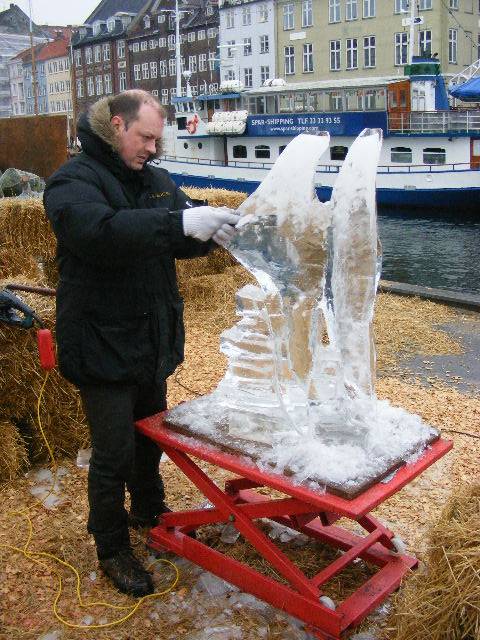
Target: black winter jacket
119 312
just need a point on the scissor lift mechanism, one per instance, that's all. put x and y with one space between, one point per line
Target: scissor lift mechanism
311 513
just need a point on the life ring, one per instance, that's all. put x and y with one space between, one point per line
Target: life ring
192 124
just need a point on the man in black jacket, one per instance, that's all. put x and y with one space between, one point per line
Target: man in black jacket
120 223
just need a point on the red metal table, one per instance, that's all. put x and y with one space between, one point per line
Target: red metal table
311 513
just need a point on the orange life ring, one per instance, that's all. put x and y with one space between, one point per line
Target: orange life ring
192 124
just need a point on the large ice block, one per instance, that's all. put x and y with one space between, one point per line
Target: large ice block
299 391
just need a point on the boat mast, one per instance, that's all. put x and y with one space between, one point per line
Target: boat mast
411 39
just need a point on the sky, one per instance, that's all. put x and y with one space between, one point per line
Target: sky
55 12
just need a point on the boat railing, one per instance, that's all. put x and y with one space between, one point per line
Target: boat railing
425 122
328 168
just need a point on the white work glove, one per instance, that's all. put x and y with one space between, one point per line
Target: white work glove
224 235
203 223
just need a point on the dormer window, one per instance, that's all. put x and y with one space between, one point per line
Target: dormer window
126 21
146 22
111 24
209 10
97 27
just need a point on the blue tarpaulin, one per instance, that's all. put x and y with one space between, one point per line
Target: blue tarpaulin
468 91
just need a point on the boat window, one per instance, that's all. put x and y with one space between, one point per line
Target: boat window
353 99
434 155
239 151
185 145
338 152
335 99
369 102
182 123
262 151
272 104
260 107
401 154
200 145
286 103
281 148
310 102
299 101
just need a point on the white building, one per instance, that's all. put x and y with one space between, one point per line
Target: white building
247 41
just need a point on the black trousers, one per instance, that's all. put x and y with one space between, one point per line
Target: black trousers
121 457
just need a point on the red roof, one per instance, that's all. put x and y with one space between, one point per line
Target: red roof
55 49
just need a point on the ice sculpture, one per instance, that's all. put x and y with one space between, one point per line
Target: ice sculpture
298 394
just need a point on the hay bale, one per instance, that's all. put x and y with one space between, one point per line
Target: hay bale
444 600
217 197
13 452
215 262
21 379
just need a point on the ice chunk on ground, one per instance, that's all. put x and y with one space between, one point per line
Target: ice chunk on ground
229 534
51 635
83 458
213 585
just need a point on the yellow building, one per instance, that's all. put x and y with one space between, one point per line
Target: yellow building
341 39
57 66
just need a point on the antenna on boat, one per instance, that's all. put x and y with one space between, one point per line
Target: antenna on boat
178 13
412 21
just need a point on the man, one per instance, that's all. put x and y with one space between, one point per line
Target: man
120 223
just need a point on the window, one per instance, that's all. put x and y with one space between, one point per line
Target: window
263 13
90 86
230 19
334 11
231 48
401 6
401 154
111 24
153 44
368 8
246 16
289 54
211 60
425 42
136 47
62 86
191 36
172 66
79 88
230 75
192 63
453 4
155 92
262 151
121 49
171 42
352 53
369 52
99 84
164 96
123 80
248 77
307 13
351 10
78 58
264 47
106 52
201 34
88 55
163 68
247 46
146 22
212 33
143 45
335 55
145 71
162 42
264 74
425 4
136 72
452 46
338 152
307 58
153 70
161 18
98 53
209 10
108 83
401 48
171 22
239 151
434 155
202 61
288 16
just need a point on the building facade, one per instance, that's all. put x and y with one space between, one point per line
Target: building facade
247 41
14 38
336 39
152 49
56 56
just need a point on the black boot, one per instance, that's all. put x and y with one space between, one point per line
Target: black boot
127 573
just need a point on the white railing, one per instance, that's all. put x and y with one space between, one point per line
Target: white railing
435 122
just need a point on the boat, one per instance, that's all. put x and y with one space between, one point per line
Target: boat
430 156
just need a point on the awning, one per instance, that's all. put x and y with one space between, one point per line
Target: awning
218 96
468 91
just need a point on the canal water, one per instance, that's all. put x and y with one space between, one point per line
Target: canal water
431 250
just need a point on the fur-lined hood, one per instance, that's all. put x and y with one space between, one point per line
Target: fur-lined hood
99 119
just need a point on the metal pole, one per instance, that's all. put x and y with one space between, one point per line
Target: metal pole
34 70
177 50
411 43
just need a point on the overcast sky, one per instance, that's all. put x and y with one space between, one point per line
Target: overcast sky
57 12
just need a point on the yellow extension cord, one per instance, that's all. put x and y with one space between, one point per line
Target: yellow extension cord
31 555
